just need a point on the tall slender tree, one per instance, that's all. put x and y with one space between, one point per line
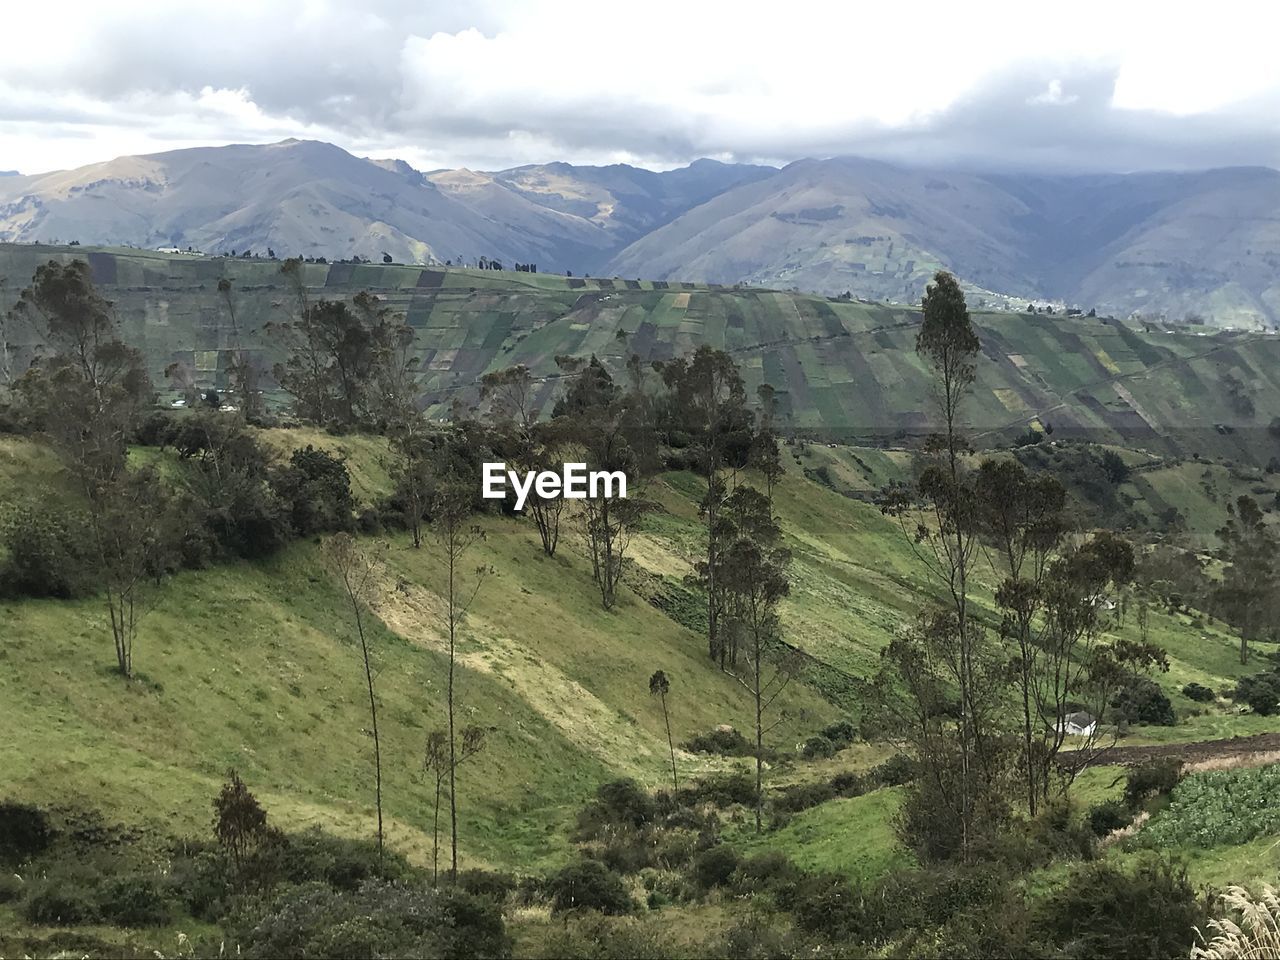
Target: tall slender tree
356 572
456 534
754 575
660 686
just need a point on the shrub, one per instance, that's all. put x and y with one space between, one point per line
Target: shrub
24 832
804 796
1151 779
725 741
316 490
134 900
340 862
1142 701
715 867
841 733
1107 816
1261 692
625 801
1198 692
488 884
822 904
765 870
589 885
380 919
849 784
1105 911
46 554
817 748
60 902
895 771
723 790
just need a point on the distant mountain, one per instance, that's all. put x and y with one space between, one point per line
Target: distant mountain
1173 246
1179 246
315 199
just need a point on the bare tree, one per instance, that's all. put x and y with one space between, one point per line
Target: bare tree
456 534
356 572
660 686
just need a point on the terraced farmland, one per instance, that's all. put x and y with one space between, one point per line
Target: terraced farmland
844 371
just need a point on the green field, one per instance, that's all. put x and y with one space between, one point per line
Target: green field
843 370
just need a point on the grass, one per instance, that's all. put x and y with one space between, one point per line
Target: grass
252 665
853 837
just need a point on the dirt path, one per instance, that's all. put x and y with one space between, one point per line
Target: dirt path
1241 749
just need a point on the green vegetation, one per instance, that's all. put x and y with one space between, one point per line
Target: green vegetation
367 707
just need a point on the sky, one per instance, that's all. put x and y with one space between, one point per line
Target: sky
1063 87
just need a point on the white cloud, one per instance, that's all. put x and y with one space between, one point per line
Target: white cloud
658 82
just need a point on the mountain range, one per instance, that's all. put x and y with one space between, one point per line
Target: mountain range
1178 246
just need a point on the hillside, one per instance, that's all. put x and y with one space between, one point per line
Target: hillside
1177 247
251 665
1173 246
844 371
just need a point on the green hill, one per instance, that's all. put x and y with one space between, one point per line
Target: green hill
843 370
252 665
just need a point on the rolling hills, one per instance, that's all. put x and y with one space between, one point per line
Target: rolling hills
845 371
1171 246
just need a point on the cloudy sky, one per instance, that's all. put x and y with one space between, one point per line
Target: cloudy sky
1117 85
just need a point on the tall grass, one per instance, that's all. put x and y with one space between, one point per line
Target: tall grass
1255 937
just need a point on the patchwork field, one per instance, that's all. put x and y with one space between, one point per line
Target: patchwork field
844 371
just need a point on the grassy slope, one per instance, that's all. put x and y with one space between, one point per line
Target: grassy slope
841 369
252 665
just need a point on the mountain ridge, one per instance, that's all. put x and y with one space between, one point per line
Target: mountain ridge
1172 246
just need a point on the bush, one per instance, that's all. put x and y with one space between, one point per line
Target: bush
725 741
1108 816
722 790
715 867
803 796
818 747
589 885
342 863
490 885
380 919
60 902
1261 692
1142 701
849 784
46 553
894 772
1198 693
841 733
1105 911
764 871
134 900
1151 780
315 488
625 801
24 832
